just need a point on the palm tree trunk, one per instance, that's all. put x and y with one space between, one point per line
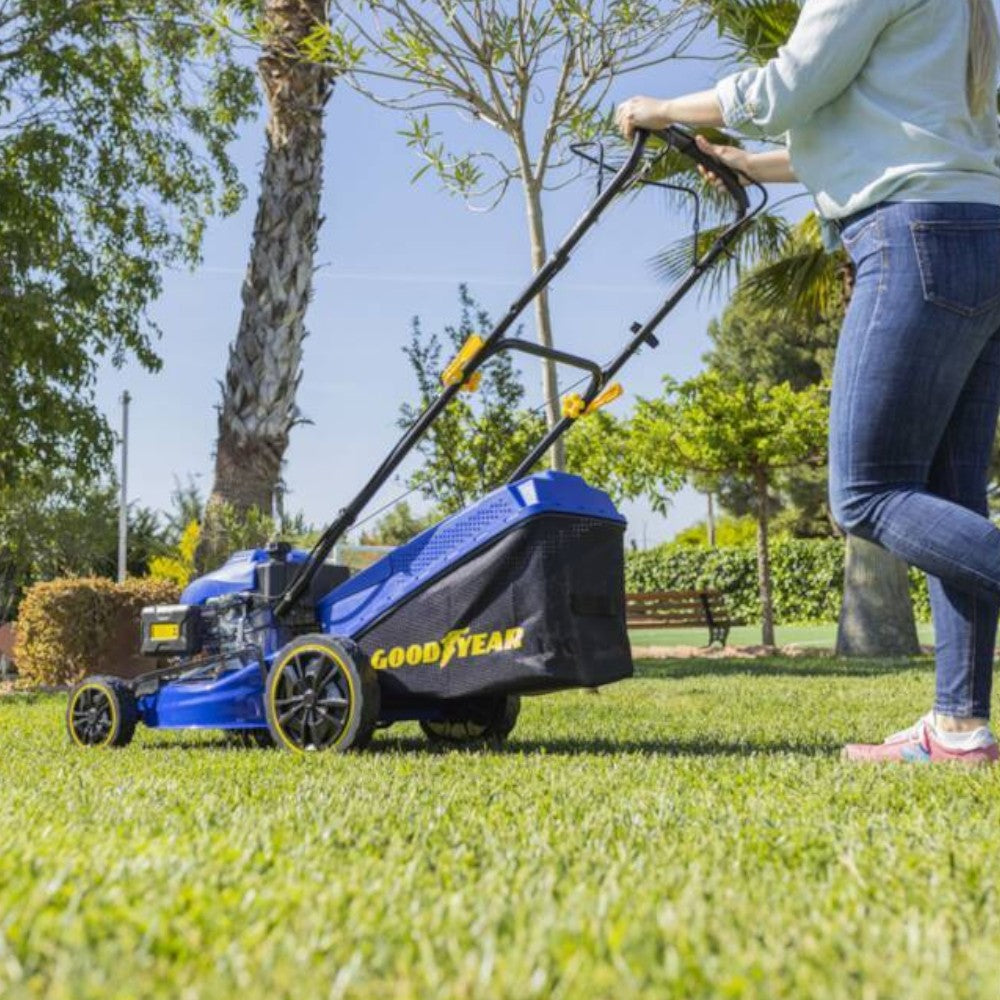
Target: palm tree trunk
876 614
543 316
258 395
764 560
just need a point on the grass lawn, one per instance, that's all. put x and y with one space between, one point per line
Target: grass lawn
687 834
749 635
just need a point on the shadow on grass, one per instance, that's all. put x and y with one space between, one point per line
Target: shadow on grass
666 747
774 667
558 746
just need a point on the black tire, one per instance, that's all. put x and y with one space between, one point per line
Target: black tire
101 712
487 723
322 694
250 739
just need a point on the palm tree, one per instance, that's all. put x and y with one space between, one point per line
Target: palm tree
262 375
785 267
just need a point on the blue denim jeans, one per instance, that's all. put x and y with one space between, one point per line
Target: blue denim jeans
916 395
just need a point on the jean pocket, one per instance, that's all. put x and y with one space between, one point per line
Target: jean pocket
959 264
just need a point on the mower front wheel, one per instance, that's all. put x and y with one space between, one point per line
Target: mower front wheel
487 723
102 712
322 694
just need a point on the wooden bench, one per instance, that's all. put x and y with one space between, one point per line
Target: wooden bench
680 609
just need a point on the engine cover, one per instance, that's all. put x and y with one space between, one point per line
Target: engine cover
171 630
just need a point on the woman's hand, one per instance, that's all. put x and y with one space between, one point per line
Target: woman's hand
772 167
642 112
738 160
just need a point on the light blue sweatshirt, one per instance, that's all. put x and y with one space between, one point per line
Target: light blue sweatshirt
871 97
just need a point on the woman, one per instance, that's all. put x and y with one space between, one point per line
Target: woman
889 109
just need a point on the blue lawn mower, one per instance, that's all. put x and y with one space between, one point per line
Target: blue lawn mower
520 593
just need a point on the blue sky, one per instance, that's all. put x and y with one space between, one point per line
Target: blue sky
390 250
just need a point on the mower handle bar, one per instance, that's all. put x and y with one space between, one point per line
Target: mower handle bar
626 174
685 143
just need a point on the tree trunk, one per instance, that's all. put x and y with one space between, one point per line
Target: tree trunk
711 521
876 614
764 561
543 317
258 395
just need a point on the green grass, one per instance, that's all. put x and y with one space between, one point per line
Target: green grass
688 834
749 635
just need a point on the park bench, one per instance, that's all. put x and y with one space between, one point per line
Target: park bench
680 609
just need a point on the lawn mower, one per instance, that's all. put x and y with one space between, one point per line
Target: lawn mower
520 593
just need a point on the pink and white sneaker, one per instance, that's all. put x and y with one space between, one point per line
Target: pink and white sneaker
924 743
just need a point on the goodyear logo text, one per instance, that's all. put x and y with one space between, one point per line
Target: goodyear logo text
458 644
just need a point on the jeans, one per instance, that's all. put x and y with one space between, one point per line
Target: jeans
916 395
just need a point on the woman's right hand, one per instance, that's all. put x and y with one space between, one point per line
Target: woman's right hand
737 159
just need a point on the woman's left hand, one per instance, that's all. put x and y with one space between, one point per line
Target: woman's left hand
642 112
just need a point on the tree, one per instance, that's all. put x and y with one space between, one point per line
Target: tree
716 427
477 442
729 531
258 407
57 525
536 72
769 346
481 438
114 124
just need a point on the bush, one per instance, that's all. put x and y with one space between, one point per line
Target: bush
807 576
69 628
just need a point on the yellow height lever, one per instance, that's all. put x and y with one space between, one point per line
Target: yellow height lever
573 405
454 373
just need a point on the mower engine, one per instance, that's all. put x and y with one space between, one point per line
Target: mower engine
220 625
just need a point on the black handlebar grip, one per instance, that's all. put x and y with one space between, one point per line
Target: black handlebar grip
684 142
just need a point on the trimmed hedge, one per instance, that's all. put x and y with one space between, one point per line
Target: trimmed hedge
73 627
807 576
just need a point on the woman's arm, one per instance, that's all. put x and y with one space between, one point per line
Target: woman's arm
702 108
827 49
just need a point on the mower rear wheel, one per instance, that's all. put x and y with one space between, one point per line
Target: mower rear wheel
488 723
322 694
102 712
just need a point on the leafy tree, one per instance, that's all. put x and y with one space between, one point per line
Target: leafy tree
769 346
482 437
179 565
262 376
714 427
115 120
729 531
478 440
760 344
536 72
52 525
598 448
187 504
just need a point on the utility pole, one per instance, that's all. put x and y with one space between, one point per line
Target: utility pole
123 502
711 521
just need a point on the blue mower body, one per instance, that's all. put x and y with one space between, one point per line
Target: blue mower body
522 591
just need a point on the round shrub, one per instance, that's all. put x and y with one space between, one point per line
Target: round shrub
69 628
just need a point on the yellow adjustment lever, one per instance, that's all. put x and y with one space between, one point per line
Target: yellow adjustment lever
573 406
454 373
609 395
